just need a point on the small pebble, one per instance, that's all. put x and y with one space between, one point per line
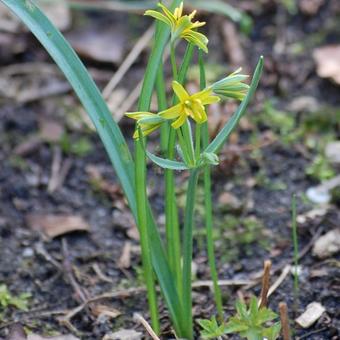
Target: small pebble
28 252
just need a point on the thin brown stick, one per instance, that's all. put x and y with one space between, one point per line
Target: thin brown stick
68 270
137 49
137 317
221 283
285 329
279 280
265 283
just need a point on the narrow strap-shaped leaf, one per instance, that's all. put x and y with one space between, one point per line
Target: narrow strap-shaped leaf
108 130
220 139
166 163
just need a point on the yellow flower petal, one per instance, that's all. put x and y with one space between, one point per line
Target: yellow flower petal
167 13
180 91
159 16
171 113
139 115
179 122
200 115
197 39
178 11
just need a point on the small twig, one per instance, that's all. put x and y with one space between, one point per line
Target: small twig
67 265
132 98
41 250
279 280
55 169
59 171
311 333
100 274
128 102
209 283
284 321
137 49
138 318
265 283
121 293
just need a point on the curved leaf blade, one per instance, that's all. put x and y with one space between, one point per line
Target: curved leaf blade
228 128
166 163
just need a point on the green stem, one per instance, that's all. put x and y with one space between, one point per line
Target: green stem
296 250
184 147
188 249
197 142
162 104
171 211
173 61
208 207
142 218
187 134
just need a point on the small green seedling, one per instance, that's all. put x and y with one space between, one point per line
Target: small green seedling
7 299
211 328
251 324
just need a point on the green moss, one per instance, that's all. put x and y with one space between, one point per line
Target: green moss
79 147
7 299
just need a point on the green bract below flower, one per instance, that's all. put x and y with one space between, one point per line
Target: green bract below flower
147 122
181 25
232 86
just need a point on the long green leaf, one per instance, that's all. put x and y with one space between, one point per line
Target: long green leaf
222 136
108 130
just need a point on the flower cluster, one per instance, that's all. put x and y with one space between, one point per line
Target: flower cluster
193 106
189 105
181 25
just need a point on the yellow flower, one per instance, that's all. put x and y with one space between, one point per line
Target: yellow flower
232 86
189 106
181 25
146 121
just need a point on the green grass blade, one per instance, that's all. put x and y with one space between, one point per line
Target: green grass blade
87 91
222 136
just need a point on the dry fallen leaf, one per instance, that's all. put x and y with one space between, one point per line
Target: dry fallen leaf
101 311
232 44
99 43
50 130
17 332
125 259
58 337
332 151
310 7
124 334
56 225
327 59
312 313
312 214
